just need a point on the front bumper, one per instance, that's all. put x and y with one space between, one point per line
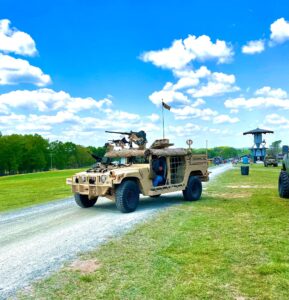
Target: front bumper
90 185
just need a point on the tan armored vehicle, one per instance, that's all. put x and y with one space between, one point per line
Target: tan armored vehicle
125 173
270 161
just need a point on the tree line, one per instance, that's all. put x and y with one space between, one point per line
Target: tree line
224 152
32 153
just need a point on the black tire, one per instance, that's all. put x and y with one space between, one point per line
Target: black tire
155 196
283 185
83 200
193 190
127 196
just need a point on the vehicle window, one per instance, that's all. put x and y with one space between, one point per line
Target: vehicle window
177 166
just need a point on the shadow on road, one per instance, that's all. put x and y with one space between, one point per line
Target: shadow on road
146 203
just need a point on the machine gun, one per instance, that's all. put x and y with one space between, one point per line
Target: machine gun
139 138
120 143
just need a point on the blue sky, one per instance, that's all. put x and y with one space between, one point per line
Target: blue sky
71 69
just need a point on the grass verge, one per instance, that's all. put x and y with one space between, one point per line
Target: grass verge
233 244
29 189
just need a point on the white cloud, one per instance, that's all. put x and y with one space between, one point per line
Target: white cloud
13 40
270 92
275 119
265 97
213 89
198 102
202 83
279 31
154 117
220 119
234 111
182 52
49 100
257 102
185 130
13 71
169 95
190 111
254 47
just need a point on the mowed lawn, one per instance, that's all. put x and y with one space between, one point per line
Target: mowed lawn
25 190
233 244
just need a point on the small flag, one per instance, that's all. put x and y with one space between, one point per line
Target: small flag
166 106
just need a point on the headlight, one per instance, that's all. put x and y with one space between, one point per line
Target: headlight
103 178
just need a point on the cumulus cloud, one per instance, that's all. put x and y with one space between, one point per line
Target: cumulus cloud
217 84
261 102
220 119
190 111
14 71
153 117
194 83
265 97
49 100
270 92
169 95
253 47
185 130
279 31
276 119
182 52
14 41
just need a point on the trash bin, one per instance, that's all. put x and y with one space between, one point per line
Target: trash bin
245 170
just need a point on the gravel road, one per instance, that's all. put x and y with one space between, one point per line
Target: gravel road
37 241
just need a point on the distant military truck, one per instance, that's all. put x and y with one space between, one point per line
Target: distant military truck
123 174
270 161
283 185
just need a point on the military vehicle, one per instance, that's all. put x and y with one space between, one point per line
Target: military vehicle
126 172
283 185
270 161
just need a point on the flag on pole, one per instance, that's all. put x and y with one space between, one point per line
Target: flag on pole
166 106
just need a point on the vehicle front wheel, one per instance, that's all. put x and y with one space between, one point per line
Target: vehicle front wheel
193 190
283 184
83 200
127 196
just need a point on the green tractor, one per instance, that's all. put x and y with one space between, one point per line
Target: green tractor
284 175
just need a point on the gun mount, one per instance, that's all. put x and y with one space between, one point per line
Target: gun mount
138 138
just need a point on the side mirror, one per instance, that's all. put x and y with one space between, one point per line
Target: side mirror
285 149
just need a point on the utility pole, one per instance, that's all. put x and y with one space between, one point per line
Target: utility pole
207 148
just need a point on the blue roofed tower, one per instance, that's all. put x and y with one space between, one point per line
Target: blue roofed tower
258 150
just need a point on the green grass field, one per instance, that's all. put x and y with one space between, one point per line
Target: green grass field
25 190
233 244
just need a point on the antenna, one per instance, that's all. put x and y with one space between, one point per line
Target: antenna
189 143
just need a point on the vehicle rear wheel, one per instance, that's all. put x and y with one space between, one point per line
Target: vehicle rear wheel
193 190
284 184
83 200
127 196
